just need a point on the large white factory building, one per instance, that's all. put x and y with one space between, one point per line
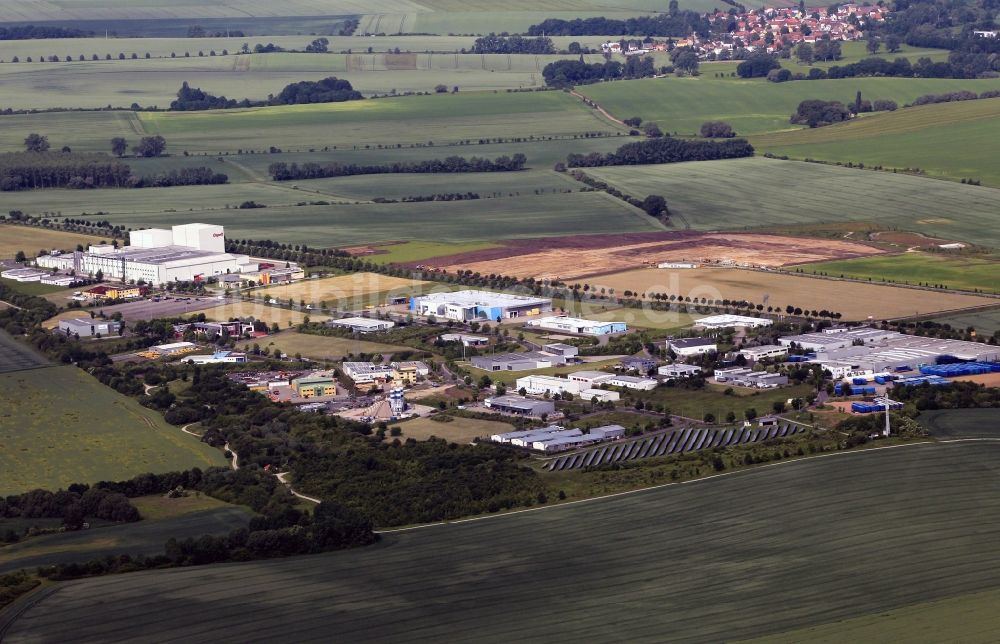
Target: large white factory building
157 256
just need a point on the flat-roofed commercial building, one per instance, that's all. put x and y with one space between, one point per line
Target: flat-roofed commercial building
520 405
472 305
362 325
580 326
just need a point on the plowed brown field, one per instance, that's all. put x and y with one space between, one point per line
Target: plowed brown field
585 255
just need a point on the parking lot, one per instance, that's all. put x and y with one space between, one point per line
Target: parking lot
148 309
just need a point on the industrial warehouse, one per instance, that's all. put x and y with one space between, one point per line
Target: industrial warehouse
467 306
579 326
157 256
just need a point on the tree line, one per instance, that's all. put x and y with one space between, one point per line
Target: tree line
327 90
34 170
73 506
565 73
282 171
504 44
38 32
664 150
676 23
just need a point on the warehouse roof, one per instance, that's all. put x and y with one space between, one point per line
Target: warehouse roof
685 343
483 298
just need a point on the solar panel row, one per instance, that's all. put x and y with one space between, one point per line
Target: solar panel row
676 442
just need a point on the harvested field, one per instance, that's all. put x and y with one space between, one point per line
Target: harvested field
988 379
855 300
14 238
580 256
342 287
263 312
752 553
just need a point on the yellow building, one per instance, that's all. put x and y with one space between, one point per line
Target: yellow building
314 386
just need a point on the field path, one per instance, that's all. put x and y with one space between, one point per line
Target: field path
264 180
282 476
588 102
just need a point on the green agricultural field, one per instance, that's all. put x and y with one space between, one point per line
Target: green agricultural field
31 288
775 193
962 423
986 321
17 356
60 426
733 557
455 221
692 403
962 618
155 81
541 154
955 272
442 118
485 184
752 106
181 518
944 140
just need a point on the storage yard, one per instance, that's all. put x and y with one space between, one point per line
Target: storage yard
576 257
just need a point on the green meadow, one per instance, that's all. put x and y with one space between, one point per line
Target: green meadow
949 140
58 426
744 194
956 272
756 106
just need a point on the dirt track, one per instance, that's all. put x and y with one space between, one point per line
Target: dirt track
587 255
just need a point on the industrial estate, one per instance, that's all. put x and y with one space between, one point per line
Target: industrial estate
307 311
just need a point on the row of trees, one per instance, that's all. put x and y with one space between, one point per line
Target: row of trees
282 171
504 44
37 32
675 23
37 170
73 506
565 73
664 150
327 90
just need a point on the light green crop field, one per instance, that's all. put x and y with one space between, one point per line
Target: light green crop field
388 121
965 273
442 118
454 221
752 106
945 140
711 399
748 554
986 321
742 194
60 426
154 82
486 184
